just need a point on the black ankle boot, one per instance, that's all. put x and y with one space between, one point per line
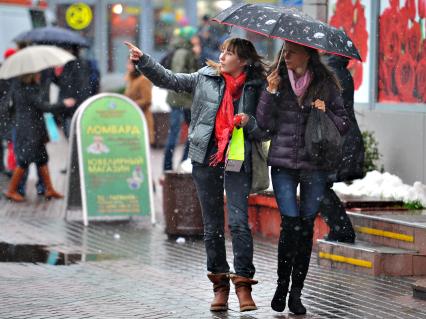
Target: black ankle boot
280 296
295 303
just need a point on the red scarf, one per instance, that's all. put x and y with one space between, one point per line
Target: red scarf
225 115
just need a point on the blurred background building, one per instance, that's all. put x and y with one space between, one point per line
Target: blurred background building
390 83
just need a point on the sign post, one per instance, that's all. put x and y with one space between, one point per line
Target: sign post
109 140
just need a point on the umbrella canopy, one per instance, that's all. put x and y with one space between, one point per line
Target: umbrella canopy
289 24
33 59
52 35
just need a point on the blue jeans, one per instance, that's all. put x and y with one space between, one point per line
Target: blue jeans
177 115
312 187
210 183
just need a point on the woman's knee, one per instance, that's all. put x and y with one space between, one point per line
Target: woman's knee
237 228
214 230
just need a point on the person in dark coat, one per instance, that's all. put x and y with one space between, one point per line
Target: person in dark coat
29 105
220 91
5 112
74 81
47 76
5 119
298 84
351 166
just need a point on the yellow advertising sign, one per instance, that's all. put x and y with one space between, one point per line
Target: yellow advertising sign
79 16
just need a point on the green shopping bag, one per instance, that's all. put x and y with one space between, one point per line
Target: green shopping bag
235 157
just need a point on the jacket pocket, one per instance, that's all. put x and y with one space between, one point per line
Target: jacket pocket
200 135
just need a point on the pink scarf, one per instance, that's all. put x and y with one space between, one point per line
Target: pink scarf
301 84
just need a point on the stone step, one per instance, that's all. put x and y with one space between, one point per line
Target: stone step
419 289
370 258
362 203
405 230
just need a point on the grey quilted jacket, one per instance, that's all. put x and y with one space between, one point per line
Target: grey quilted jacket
207 87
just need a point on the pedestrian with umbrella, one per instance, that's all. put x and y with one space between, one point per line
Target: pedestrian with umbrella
225 96
298 84
78 79
27 98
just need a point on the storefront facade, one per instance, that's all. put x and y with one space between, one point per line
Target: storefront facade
148 23
390 82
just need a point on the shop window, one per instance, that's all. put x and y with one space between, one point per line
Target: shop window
402 52
168 15
123 24
354 17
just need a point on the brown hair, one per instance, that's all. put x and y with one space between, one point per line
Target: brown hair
30 78
245 50
321 73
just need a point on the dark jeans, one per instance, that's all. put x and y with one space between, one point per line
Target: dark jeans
210 183
66 125
177 115
312 187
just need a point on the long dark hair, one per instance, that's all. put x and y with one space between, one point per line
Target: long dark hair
321 73
245 50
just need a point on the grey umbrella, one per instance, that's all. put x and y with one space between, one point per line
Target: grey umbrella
52 35
288 24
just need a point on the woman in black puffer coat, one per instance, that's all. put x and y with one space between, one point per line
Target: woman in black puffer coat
29 105
300 83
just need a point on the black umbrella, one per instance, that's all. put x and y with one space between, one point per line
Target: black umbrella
52 35
289 24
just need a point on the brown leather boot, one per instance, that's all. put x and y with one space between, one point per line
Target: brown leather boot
50 191
243 291
12 192
221 291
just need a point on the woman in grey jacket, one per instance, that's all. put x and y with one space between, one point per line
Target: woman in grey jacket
224 93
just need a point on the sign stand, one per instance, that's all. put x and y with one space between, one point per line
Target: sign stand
109 171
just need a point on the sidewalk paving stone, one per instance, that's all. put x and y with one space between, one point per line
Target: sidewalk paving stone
144 274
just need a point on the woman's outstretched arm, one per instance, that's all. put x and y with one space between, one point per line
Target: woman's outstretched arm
158 75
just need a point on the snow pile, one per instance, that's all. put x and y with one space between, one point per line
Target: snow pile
384 185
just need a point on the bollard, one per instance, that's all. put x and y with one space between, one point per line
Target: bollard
182 211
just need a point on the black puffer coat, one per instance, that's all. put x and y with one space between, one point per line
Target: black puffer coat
352 164
29 104
286 120
74 82
6 116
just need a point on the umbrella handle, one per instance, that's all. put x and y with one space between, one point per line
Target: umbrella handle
279 60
